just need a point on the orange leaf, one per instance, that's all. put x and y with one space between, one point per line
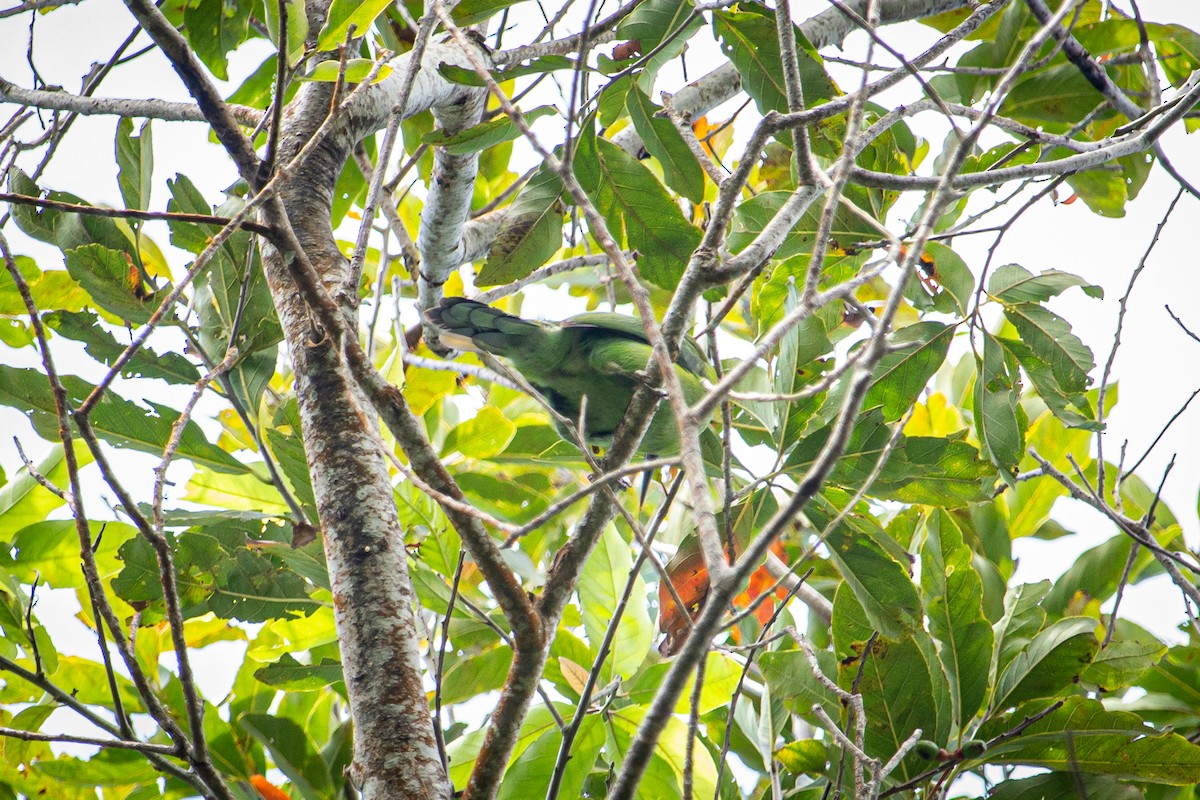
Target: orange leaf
575 675
628 49
268 790
715 138
688 574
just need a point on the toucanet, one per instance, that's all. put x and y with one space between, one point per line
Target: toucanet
597 355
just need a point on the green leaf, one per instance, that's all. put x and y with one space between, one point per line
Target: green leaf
186 198
135 163
804 757
63 229
750 40
902 375
245 492
231 294
791 679
663 141
529 774
953 593
483 436
1132 652
116 420
900 684
536 66
611 105
663 28
1022 620
294 753
721 677
1057 94
224 290
1177 677
921 469
55 290
344 13
288 449
997 421
652 21
471 12
632 200
531 234
101 345
600 588
24 501
880 584
40 223
1178 51
1095 574
931 470
297 30
290 675
1064 786
15 334
217 571
1012 283
752 215
88 682
214 28
1084 737
954 276
308 562
665 773
1049 664
110 767
50 549
1050 338
357 70
484 135
113 281
1073 408
476 674
462 752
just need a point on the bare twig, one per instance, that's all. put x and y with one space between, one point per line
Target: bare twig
1112 353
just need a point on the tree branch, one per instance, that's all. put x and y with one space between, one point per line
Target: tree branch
58 100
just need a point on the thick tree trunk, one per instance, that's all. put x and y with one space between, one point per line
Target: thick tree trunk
395 754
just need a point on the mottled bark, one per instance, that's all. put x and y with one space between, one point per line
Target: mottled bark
395 754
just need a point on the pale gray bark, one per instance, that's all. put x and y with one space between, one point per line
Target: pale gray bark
118 106
451 186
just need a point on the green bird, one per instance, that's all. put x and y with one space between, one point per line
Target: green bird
596 355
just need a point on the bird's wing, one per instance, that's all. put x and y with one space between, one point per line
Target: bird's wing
691 357
618 355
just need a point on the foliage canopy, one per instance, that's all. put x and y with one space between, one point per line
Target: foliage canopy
893 417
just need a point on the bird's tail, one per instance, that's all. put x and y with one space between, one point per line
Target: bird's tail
470 325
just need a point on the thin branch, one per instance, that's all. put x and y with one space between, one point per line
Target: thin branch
595 484
1112 353
1182 326
130 213
120 744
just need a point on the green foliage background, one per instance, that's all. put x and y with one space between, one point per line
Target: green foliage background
927 623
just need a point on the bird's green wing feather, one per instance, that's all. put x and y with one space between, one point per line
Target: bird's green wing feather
691 357
617 355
